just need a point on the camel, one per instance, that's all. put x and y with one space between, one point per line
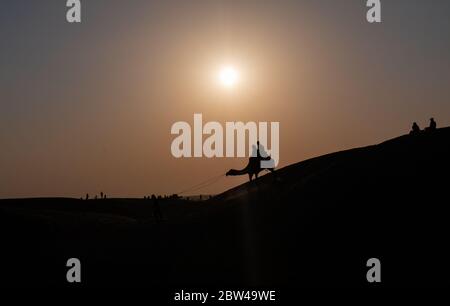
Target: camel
253 168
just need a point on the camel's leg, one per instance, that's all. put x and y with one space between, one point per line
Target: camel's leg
250 176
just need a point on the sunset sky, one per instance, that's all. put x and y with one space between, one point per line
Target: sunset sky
88 107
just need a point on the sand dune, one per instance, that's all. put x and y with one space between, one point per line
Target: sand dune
314 223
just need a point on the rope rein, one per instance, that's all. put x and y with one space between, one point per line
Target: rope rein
203 184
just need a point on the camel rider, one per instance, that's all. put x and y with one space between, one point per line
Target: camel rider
258 153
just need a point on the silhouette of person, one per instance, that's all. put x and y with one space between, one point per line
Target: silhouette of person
263 155
261 152
415 129
433 125
156 209
256 151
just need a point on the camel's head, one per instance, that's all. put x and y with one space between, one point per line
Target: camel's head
232 172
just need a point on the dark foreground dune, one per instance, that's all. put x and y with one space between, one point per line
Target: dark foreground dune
315 224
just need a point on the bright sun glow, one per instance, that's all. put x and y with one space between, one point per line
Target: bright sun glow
228 76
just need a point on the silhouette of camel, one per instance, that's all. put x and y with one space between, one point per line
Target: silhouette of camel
253 167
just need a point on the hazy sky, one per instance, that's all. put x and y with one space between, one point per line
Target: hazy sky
88 107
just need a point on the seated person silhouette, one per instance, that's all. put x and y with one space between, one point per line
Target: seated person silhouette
432 126
415 129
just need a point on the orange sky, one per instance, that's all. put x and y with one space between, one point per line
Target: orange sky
88 107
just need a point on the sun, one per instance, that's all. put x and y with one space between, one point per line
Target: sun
228 76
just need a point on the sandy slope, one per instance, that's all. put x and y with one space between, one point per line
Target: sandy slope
313 224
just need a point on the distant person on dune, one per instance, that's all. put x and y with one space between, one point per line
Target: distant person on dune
415 129
432 126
